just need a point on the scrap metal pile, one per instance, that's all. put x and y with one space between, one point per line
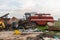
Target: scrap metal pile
30 21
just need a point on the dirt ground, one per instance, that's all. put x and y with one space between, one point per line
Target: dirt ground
8 35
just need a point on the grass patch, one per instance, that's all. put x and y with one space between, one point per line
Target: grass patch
42 27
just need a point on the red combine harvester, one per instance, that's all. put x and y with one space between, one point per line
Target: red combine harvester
38 19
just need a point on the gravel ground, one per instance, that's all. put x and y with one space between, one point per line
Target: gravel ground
8 35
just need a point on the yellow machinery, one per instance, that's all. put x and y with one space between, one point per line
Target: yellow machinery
2 25
17 32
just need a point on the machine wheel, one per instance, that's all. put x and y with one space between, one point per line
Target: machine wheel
31 25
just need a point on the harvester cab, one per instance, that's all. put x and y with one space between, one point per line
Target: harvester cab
27 15
29 24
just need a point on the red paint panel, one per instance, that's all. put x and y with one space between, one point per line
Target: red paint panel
41 23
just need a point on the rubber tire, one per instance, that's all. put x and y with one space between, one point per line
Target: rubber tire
34 25
31 25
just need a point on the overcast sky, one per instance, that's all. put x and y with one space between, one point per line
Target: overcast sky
17 8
